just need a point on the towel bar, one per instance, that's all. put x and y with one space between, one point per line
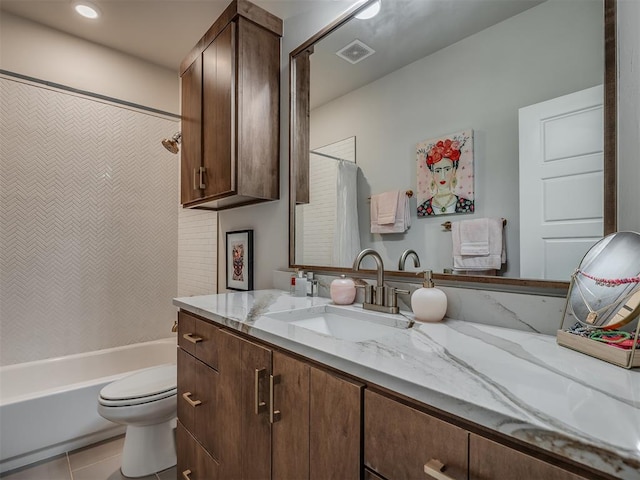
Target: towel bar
447 225
409 194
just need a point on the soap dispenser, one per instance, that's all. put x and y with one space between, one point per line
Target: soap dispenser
429 304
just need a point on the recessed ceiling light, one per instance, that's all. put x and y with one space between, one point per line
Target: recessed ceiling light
87 10
369 12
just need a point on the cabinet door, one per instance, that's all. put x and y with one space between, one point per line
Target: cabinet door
399 441
489 460
335 427
245 451
191 127
218 121
290 434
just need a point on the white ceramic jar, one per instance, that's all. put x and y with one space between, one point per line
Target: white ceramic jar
343 290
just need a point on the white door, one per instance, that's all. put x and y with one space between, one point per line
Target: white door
561 183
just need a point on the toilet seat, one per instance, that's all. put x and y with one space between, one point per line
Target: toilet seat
146 386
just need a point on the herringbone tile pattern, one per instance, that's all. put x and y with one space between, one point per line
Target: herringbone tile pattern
88 224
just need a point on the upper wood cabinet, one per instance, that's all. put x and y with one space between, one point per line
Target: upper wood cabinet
231 111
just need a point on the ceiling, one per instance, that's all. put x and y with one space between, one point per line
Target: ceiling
159 31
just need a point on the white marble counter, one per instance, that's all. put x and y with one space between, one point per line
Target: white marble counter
518 383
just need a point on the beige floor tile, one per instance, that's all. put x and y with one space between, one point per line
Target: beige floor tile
86 456
54 469
108 469
168 474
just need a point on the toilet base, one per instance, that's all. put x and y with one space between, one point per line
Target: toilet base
148 449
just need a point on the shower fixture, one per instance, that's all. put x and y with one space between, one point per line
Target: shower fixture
172 143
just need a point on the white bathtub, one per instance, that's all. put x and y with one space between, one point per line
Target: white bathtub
48 407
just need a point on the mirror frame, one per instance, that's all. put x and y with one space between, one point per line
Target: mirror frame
299 78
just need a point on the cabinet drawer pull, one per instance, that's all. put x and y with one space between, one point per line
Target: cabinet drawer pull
202 172
186 474
274 415
187 397
191 338
260 406
434 468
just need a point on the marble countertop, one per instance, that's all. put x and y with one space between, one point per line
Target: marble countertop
518 383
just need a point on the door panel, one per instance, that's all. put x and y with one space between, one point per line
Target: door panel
561 183
335 427
290 435
218 77
191 127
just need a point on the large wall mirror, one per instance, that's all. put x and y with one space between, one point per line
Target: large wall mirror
530 85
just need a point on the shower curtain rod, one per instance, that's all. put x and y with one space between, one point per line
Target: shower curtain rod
330 156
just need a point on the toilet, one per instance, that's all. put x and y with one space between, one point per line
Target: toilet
146 402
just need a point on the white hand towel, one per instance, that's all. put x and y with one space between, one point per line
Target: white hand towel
386 205
402 219
472 234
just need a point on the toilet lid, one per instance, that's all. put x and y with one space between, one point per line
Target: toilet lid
130 402
153 381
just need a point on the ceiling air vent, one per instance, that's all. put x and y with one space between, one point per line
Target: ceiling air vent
355 52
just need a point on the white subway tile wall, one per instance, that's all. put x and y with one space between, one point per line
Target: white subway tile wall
88 224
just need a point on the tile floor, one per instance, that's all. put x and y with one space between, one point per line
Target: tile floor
95 462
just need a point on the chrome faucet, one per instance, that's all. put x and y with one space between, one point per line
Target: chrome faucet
406 254
381 299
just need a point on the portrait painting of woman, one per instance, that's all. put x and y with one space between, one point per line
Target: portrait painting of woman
445 175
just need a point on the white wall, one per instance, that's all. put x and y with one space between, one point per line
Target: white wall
476 84
37 51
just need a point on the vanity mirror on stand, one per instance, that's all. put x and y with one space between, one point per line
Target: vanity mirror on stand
603 304
504 73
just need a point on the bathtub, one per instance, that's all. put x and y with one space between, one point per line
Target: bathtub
48 407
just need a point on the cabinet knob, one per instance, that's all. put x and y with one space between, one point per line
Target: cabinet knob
191 338
433 468
186 474
187 397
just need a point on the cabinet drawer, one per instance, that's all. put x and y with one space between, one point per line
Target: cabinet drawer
193 461
399 441
199 338
489 460
198 401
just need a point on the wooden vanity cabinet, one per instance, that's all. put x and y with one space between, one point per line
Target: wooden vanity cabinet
283 418
400 440
231 111
198 437
489 460
317 434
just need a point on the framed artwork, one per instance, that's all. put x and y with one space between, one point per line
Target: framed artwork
445 175
240 260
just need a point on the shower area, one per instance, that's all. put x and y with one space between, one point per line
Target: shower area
88 225
327 227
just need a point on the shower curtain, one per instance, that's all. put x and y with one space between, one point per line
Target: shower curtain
346 239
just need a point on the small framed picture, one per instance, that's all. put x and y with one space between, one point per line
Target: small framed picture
240 260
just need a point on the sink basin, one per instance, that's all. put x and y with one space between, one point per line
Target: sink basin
345 323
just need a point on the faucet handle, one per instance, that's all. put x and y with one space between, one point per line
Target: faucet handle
392 296
368 293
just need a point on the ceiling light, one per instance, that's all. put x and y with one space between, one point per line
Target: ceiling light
87 10
369 12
